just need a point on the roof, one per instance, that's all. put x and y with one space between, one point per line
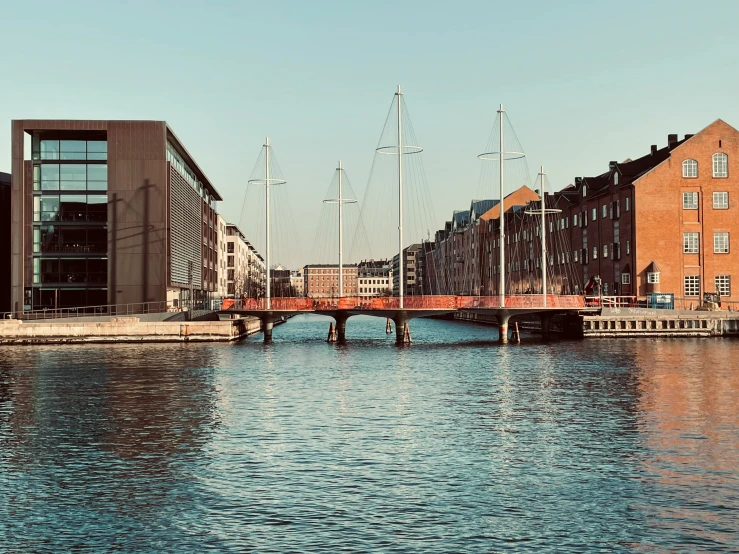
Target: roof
519 197
460 219
4 178
479 207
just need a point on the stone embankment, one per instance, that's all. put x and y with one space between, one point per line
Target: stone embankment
644 322
124 329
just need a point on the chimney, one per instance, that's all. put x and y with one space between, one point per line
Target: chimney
688 136
671 140
654 149
612 164
578 181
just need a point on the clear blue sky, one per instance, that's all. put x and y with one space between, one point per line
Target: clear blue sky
584 82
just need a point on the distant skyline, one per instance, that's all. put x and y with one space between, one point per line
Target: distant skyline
582 82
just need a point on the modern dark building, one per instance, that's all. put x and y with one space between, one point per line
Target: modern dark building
108 212
5 242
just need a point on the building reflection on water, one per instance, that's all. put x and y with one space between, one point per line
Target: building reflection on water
140 421
689 427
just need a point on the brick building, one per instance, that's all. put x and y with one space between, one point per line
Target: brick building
659 223
322 280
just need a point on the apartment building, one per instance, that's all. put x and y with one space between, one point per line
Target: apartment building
322 280
662 222
374 278
108 212
413 270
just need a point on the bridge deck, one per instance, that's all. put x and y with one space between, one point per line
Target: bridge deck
412 304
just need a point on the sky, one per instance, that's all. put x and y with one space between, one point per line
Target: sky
583 82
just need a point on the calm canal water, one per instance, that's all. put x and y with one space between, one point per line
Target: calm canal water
454 444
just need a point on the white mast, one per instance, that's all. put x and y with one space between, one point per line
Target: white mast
341 240
400 200
266 183
501 154
543 241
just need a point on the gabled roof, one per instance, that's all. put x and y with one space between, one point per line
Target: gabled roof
519 197
460 219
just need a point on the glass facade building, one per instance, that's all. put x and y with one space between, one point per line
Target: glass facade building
70 221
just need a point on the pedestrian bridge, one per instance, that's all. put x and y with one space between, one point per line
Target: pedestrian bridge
503 308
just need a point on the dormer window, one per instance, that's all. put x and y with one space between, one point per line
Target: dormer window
690 169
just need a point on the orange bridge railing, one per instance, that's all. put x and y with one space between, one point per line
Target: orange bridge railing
384 303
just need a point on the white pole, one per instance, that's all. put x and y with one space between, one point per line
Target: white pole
501 155
543 242
400 201
341 241
266 182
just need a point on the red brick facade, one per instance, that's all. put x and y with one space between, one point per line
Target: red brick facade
620 226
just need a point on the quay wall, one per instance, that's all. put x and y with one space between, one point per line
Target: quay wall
643 322
125 329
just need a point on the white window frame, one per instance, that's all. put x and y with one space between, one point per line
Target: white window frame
574 220
595 252
720 165
691 243
653 277
604 211
690 200
690 169
595 214
605 251
721 242
723 285
626 278
720 200
691 285
627 203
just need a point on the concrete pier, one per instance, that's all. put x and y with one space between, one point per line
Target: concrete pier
503 319
124 329
267 326
644 322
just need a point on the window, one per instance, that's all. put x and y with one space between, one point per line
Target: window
595 252
604 211
628 247
720 163
653 277
690 243
584 190
627 204
721 243
626 278
615 178
692 285
595 215
690 169
574 255
690 201
723 284
574 220
605 251
720 200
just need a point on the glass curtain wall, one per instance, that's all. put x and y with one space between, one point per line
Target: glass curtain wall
70 220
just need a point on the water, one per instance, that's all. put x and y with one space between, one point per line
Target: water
454 444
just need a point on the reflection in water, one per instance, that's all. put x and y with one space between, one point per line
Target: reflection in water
454 444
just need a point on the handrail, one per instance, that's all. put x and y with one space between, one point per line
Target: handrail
135 308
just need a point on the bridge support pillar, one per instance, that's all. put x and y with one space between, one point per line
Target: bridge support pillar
503 318
402 331
340 328
546 324
267 328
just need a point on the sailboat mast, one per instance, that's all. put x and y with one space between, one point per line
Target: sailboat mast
341 240
268 288
400 200
543 242
501 156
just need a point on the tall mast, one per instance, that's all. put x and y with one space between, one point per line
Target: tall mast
501 155
400 200
543 241
266 182
341 240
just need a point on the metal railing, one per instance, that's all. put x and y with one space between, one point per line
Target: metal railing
611 301
425 302
136 308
